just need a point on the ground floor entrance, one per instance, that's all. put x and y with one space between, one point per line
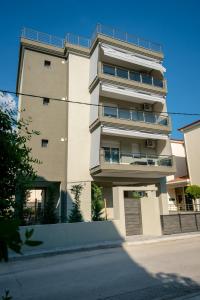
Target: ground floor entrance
133 221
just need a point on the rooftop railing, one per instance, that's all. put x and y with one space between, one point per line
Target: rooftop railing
126 37
135 115
42 37
85 42
78 40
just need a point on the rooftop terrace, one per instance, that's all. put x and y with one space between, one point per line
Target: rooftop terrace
86 42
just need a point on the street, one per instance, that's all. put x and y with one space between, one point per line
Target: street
152 271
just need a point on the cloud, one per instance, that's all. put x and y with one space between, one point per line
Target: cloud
7 101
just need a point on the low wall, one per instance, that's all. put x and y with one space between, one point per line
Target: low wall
177 223
69 235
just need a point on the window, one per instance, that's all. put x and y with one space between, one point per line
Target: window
158 82
47 63
124 114
108 70
146 79
111 155
44 143
122 73
45 101
134 76
110 111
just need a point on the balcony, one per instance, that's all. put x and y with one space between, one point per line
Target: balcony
132 75
135 115
113 155
132 119
115 163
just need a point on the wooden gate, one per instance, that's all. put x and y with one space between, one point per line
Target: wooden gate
133 222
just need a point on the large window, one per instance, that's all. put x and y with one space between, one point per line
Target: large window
124 113
108 70
111 155
146 79
122 73
110 111
134 76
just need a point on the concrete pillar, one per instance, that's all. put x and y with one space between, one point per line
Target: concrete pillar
163 200
118 208
150 211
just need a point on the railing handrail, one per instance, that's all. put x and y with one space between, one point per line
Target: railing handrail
157 114
126 37
100 29
153 79
42 37
140 154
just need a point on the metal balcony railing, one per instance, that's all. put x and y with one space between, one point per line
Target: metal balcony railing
132 75
183 207
45 38
134 115
78 40
115 156
42 37
126 37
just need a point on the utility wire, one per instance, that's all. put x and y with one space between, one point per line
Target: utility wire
90 104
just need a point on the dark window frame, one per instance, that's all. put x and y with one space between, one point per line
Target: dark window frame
46 101
47 63
44 143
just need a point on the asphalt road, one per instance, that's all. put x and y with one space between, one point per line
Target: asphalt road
152 271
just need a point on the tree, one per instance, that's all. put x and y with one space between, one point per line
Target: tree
76 215
193 191
16 169
97 202
50 216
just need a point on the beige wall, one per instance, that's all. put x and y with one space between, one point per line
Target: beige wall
79 137
192 144
49 119
178 150
150 210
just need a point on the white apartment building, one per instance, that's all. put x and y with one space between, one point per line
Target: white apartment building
102 117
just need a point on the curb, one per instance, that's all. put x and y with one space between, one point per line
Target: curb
58 251
103 245
163 239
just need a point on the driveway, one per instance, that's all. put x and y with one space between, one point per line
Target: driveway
151 271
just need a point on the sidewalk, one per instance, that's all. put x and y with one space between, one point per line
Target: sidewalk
130 241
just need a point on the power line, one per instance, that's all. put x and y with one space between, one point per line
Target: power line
89 104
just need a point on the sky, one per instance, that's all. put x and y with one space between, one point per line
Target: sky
173 23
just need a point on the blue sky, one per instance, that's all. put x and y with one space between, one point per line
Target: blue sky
173 23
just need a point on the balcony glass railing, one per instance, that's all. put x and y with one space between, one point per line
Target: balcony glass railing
132 75
114 156
134 115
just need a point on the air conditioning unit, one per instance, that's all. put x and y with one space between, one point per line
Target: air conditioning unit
147 107
150 143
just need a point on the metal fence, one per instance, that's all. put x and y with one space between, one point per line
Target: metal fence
42 37
184 207
126 37
70 38
78 40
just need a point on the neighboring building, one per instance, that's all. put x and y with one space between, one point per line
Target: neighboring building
177 183
118 137
192 146
187 155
